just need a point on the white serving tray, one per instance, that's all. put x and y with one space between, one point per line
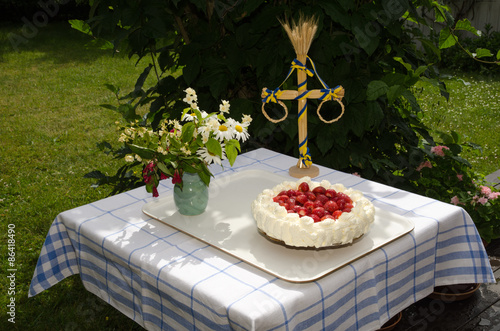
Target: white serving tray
228 225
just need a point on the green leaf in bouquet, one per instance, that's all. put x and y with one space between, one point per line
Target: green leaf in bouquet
221 117
198 115
185 111
144 153
232 149
196 144
205 174
149 188
187 132
174 144
163 168
188 167
214 147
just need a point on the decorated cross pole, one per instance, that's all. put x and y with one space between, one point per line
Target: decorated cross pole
301 36
305 161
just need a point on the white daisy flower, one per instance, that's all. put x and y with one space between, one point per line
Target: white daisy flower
241 132
239 129
189 117
210 158
224 132
129 158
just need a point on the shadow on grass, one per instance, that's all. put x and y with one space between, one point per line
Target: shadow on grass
58 42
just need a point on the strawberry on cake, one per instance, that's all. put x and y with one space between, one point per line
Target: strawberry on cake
313 214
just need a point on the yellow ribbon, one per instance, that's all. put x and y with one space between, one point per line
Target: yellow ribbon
272 96
331 93
296 64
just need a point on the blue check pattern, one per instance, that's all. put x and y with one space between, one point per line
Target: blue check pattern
164 279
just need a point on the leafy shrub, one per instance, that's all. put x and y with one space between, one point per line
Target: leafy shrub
447 177
232 52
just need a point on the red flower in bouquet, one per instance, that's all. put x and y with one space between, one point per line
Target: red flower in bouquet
177 178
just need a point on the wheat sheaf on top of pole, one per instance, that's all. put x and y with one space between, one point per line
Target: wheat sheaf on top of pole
301 35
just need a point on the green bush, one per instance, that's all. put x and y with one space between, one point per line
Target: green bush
233 51
445 176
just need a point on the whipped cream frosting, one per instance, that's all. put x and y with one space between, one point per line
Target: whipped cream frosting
293 230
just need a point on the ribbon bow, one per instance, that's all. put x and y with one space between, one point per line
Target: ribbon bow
331 93
272 96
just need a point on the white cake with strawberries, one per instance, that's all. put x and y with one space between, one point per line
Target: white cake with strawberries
313 214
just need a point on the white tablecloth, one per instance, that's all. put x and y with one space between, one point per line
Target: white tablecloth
164 279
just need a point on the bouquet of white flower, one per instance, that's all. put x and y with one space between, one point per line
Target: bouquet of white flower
174 148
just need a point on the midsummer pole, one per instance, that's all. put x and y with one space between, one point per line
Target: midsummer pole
301 35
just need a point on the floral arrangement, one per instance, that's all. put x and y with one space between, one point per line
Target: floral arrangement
198 140
445 176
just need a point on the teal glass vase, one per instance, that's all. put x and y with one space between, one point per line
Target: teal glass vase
193 198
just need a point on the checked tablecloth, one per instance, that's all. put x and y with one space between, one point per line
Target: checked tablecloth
164 279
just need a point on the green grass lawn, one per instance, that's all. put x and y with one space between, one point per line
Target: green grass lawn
51 122
473 111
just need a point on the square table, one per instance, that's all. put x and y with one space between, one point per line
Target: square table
163 278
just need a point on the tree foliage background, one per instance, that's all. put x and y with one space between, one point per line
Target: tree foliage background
232 49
